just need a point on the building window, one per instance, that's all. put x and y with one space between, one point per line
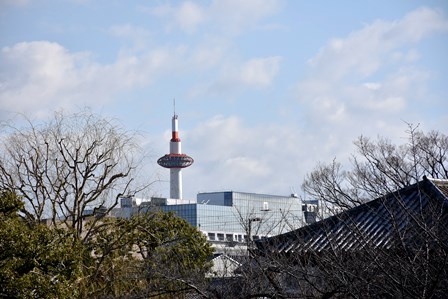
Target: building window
221 237
211 236
228 200
229 238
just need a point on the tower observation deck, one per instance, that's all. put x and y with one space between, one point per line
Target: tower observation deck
175 161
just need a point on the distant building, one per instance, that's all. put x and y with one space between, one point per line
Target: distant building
228 219
310 210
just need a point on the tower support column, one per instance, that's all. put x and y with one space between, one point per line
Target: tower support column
176 183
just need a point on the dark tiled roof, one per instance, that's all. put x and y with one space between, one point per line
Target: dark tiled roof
382 222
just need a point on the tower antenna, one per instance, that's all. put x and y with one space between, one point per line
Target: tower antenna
174 105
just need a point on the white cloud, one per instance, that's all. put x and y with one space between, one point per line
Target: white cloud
225 16
339 89
364 51
256 72
138 35
416 25
264 158
32 74
409 57
39 77
260 71
210 53
372 85
247 167
368 83
189 15
233 156
234 16
215 58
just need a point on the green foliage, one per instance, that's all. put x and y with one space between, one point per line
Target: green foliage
35 261
149 254
10 204
167 239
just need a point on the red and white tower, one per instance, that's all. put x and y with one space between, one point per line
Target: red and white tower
175 161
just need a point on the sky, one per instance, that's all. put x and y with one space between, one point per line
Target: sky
264 89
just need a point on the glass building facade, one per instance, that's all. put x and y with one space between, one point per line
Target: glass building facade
231 216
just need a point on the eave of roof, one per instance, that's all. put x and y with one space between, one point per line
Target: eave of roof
372 223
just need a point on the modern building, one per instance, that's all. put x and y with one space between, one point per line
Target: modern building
227 219
233 216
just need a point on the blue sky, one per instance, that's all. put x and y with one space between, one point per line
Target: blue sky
264 89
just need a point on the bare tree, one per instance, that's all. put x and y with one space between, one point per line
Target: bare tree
388 238
68 165
377 168
395 246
